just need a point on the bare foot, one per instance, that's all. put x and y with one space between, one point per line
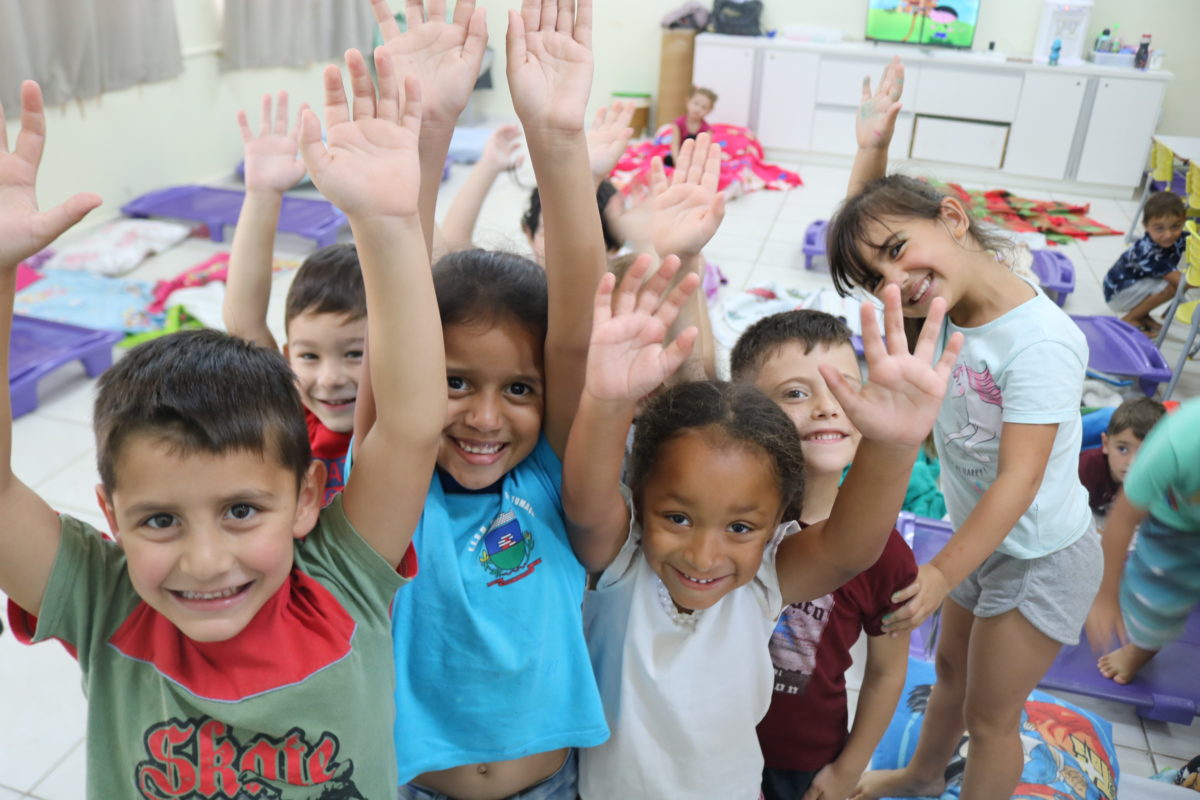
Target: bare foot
1123 664
896 783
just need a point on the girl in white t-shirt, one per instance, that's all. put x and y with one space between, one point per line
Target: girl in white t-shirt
693 568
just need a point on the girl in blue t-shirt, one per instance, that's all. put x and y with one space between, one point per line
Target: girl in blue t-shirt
493 685
1024 562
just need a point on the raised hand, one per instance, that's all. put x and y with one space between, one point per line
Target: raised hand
687 208
608 137
550 64
501 149
444 55
877 114
270 157
370 166
23 229
903 393
626 357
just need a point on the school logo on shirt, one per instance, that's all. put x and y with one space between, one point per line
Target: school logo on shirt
507 550
200 758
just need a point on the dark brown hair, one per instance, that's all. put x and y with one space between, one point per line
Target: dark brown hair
328 282
894 197
487 286
1139 415
204 392
531 220
1164 204
737 411
763 339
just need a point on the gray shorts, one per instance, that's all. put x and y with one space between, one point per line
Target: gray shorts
1053 592
1127 299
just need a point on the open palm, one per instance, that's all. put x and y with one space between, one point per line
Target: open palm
270 157
444 55
370 164
627 358
550 64
688 209
23 229
877 113
903 393
608 137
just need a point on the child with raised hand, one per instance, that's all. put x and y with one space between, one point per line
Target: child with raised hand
807 749
1148 602
693 574
500 153
325 316
490 710
1024 562
236 636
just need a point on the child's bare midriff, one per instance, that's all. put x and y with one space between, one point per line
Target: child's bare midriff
493 780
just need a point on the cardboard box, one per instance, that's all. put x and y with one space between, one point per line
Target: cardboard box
674 74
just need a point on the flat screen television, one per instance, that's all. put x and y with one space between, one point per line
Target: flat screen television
943 23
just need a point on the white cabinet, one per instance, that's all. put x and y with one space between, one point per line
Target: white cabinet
728 69
956 141
1122 121
789 94
833 132
1044 130
966 93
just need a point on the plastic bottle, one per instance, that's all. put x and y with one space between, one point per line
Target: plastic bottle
1055 50
1114 44
1102 40
1141 59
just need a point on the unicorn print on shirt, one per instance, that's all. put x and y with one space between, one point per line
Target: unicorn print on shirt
975 398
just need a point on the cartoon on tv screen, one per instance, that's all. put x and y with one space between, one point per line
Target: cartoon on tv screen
950 23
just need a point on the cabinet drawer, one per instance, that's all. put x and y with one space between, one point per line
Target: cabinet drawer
977 144
968 93
833 132
840 81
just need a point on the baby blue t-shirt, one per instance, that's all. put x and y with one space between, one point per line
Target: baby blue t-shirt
1026 366
491 662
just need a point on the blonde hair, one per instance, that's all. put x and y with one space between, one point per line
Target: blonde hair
709 93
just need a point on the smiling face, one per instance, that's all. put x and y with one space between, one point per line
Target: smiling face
207 552
325 351
791 379
1165 231
496 400
1121 448
707 510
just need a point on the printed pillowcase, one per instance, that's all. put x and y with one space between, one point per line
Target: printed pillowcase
1069 751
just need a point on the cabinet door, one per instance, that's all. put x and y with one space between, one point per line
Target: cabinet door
1122 121
727 69
787 99
833 132
1044 130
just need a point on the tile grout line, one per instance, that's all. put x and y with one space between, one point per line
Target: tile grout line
30 792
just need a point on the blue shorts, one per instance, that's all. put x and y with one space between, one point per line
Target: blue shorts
1160 585
562 785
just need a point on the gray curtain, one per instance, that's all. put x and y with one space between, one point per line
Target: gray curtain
79 48
293 33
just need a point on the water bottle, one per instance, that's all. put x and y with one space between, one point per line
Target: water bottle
1141 59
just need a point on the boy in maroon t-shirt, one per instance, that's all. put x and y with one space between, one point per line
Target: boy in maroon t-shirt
805 742
1102 470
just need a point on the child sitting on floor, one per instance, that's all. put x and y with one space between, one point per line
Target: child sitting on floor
700 104
1103 469
1146 275
1149 603
694 571
325 317
236 636
804 739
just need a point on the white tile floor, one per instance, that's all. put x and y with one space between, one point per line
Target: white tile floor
42 708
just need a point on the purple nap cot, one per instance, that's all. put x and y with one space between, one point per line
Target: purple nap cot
311 218
814 241
1164 690
39 347
1118 348
1055 273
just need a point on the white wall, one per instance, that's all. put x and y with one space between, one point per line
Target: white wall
125 143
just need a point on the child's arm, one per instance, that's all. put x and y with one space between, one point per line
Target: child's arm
874 125
29 531
1104 620
500 152
371 171
626 362
687 211
1024 453
445 56
549 76
887 665
608 138
894 409
271 169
